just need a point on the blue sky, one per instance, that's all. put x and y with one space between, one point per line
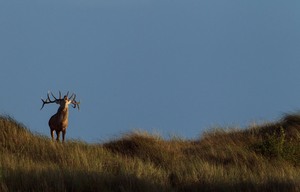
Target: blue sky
167 66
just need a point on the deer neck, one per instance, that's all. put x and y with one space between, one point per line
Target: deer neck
63 112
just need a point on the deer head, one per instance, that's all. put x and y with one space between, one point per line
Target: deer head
63 102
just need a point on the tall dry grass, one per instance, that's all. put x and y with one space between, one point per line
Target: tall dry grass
260 158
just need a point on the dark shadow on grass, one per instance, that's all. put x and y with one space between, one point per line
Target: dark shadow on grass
241 186
69 180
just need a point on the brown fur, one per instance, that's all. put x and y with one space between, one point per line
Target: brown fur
59 122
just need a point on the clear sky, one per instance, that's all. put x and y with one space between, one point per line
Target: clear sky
169 66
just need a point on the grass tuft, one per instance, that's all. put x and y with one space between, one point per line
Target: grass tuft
259 158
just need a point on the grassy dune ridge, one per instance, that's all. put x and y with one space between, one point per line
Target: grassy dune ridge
259 158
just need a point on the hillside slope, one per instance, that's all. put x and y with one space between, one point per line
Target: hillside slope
259 158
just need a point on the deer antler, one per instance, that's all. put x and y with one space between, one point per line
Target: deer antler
48 100
73 101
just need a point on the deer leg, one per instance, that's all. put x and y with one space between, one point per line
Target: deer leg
63 135
52 134
57 135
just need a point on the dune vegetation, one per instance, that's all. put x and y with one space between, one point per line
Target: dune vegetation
259 158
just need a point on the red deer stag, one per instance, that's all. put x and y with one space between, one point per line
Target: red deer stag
59 121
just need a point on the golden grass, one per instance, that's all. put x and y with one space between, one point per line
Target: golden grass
260 158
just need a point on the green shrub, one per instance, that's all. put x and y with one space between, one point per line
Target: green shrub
278 146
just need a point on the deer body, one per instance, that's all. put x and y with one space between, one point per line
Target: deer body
59 121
